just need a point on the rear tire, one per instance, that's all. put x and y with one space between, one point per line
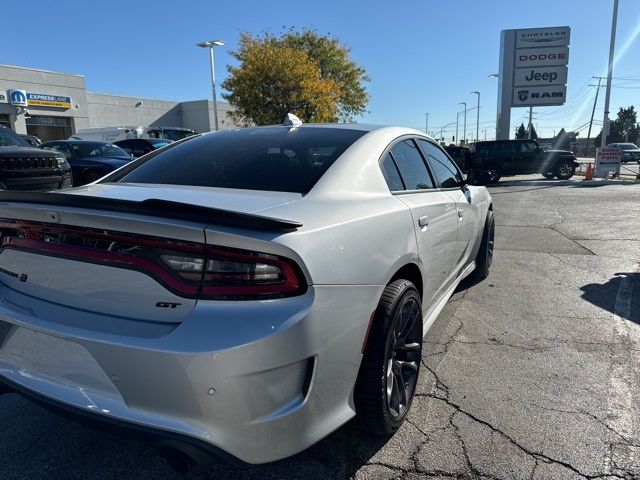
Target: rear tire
391 362
564 169
484 258
495 172
90 176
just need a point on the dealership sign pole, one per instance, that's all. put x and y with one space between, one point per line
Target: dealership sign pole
533 71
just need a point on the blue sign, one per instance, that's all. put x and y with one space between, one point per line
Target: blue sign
18 97
44 100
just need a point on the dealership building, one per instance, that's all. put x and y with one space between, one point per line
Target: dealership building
54 105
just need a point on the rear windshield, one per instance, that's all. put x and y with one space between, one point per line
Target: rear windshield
268 158
8 138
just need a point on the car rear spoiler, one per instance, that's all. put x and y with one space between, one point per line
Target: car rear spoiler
154 208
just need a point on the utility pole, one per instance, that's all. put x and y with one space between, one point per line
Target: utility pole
464 129
426 124
457 122
607 97
529 128
485 134
586 145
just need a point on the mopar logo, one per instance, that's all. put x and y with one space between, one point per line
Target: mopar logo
18 97
523 95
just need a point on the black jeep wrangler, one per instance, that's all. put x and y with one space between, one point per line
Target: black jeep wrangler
518 157
23 167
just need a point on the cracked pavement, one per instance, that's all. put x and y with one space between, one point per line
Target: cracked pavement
532 374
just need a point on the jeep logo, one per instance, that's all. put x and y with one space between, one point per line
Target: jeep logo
546 76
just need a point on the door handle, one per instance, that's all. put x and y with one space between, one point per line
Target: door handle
460 213
423 222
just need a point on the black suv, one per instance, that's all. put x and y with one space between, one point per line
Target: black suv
23 167
518 157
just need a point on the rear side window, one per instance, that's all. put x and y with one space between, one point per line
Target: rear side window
269 158
391 174
442 167
411 165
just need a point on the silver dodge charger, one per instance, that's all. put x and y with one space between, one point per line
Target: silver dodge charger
243 293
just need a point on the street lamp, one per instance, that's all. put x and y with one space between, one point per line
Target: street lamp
457 122
442 130
465 120
477 116
210 44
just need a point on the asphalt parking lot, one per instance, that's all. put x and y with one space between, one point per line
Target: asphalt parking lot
532 374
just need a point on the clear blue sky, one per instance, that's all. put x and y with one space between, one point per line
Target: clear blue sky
422 56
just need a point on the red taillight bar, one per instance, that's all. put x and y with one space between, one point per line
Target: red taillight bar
28 236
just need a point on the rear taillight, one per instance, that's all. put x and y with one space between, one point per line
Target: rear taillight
230 272
188 269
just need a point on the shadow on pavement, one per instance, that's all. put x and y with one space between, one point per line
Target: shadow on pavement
544 183
338 456
606 294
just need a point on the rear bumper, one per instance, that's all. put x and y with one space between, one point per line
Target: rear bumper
253 381
200 451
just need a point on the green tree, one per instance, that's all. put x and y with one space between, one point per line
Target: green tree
624 128
564 139
534 134
335 63
521 132
303 73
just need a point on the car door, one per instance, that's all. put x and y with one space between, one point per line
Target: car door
433 212
449 179
528 157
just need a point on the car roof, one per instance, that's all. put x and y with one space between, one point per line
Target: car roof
78 141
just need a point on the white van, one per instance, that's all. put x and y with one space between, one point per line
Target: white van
114 134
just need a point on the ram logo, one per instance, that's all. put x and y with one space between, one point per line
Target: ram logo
523 95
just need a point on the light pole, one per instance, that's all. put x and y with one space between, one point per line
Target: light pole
607 95
465 120
210 44
477 116
442 129
457 122
426 123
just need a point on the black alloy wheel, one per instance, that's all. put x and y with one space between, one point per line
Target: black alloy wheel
484 258
495 172
391 362
565 169
403 356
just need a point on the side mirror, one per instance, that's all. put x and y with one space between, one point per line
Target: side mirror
478 178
